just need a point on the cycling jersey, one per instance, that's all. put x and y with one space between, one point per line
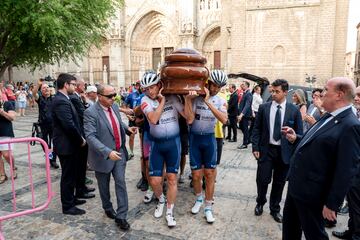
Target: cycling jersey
205 120
168 125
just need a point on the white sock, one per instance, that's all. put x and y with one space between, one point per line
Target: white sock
169 210
162 198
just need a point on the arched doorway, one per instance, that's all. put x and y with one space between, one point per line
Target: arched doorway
212 49
151 40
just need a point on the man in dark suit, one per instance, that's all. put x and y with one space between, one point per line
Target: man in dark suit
67 141
353 196
271 149
323 164
232 113
245 113
105 134
81 190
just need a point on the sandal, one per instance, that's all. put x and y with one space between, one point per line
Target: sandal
15 174
3 178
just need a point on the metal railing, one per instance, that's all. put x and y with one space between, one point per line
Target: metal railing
50 194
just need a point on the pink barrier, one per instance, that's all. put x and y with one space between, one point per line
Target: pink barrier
48 180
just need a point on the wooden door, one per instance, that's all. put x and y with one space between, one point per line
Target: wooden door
217 59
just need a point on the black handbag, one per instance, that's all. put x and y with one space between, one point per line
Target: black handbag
35 132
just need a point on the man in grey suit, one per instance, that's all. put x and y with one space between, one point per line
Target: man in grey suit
107 154
314 111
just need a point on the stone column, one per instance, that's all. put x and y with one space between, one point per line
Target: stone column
188 22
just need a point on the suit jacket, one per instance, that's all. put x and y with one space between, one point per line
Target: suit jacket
322 168
245 104
316 115
100 137
261 131
67 131
233 105
80 108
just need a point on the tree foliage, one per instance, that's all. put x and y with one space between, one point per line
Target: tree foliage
37 32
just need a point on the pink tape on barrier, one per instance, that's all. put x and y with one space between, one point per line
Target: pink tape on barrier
48 180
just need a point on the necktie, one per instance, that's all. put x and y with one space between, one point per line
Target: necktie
115 130
277 124
313 130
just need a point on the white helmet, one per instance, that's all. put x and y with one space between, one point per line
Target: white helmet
149 79
218 77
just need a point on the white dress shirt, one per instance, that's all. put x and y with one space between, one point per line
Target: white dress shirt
257 100
273 110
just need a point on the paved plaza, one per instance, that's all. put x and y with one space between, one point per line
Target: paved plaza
234 203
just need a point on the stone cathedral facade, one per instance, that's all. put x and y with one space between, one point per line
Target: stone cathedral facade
269 38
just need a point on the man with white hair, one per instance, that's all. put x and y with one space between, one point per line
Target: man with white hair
323 164
91 95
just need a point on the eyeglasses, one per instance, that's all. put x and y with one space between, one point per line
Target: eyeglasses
109 96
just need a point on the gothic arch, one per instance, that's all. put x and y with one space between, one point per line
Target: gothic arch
206 32
210 46
154 30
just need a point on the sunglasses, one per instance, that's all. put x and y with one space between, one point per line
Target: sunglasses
109 96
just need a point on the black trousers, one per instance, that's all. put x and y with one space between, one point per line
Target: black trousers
244 126
298 217
47 136
81 170
69 172
219 144
272 167
353 198
232 127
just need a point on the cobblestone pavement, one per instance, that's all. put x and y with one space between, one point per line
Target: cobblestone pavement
234 203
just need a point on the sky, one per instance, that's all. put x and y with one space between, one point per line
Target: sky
354 19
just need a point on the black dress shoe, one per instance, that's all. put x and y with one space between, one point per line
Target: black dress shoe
89 189
79 201
122 223
144 186
242 146
342 235
258 210
54 165
277 217
110 213
330 224
85 195
232 140
74 211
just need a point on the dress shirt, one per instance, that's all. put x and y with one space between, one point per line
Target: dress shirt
257 100
273 110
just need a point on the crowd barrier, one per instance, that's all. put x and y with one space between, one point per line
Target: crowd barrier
15 213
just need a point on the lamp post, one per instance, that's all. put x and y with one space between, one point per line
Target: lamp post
310 79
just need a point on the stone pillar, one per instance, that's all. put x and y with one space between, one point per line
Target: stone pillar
188 22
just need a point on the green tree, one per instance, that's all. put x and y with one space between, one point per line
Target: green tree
37 32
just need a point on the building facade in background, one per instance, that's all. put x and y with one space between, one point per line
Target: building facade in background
357 58
269 38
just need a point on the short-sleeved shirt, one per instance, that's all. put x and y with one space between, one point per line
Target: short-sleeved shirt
6 127
168 125
205 120
21 96
133 99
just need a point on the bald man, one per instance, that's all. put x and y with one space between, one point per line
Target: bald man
353 195
323 164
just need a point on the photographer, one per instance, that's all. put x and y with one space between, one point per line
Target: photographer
44 101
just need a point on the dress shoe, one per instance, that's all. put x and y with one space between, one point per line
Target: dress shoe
144 186
85 195
89 189
227 138
232 140
330 224
277 217
342 235
242 146
258 210
74 211
54 165
110 213
122 223
79 201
